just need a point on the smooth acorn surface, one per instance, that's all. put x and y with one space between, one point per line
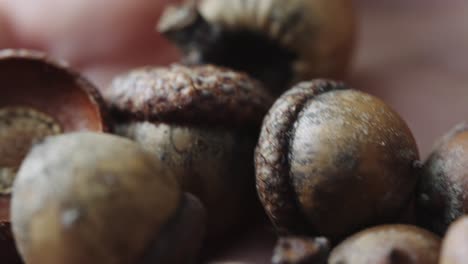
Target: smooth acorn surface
278 42
388 244
97 198
455 243
202 122
443 188
332 160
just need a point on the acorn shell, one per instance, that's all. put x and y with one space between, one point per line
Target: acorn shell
331 160
90 198
201 121
443 188
388 244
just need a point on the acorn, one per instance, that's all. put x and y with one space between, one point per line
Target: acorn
203 122
443 187
455 243
97 198
388 244
332 160
39 97
277 42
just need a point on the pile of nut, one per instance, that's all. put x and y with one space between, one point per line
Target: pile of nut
170 159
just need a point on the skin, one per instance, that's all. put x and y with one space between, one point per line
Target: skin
411 53
388 244
455 243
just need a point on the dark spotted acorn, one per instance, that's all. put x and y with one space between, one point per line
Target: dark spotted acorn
332 160
301 250
455 243
97 198
39 97
443 188
278 42
388 244
201 121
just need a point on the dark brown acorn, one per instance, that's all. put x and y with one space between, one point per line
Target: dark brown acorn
333 160
443 188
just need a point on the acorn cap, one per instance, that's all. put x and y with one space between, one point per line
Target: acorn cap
198 95
40 97
323 145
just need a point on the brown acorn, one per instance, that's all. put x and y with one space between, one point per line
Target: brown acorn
388 244
443 187
39 97
97 198
201 121
455 243
332 160
278 42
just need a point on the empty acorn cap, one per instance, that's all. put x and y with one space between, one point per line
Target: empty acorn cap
388 244
198 95
278 42
39 97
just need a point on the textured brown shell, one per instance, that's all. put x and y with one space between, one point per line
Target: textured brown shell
320 32
91 198
31 78
194 95
443 188
455 243
332 160
271 155
388 244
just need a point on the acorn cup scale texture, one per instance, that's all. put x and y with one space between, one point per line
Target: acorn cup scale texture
96 198
331 160
388 244
201 121
443 189
278 42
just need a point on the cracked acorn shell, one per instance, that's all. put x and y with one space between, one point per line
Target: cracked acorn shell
39 97
443 187
332 160
455 243
388 244
98 198
276 41
202 121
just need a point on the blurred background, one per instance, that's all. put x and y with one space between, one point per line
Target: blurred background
411 53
